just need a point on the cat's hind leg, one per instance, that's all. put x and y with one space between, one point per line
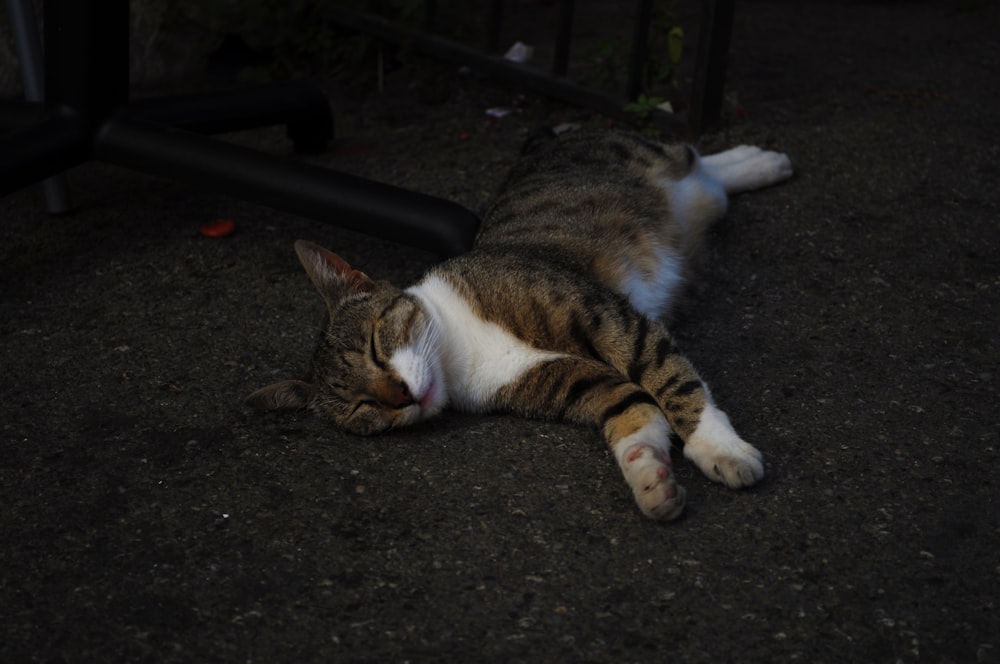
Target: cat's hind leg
746 167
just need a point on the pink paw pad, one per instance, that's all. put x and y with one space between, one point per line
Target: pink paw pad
636 452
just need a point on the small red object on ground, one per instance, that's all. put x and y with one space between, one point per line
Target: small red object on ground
218 228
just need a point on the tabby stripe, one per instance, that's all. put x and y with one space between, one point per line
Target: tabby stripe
651 145
580 388
636 369
632 399
687 388
374 357
383 314
625 310
344 357
621 151
640 340
581 337
664 348
541 316
524 192
392 305
636 372
673 380
502 219
540 208
555 386
414 314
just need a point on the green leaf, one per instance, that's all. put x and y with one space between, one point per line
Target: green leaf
675 44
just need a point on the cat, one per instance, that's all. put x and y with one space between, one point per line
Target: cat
558 311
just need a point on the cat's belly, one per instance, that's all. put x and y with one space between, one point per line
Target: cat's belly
477 357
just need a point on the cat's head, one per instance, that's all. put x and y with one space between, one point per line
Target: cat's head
376 365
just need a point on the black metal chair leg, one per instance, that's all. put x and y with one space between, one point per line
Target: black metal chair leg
303 109
52 145
89 116
347 201
24 25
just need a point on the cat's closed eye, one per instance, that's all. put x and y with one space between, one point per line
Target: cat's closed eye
364 403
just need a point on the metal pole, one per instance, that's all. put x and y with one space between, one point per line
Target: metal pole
712 61
493 22
640 46
24 24
564 35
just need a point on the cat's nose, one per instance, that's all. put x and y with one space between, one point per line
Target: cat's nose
402 397
393 393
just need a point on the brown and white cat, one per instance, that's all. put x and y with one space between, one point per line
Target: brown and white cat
556 313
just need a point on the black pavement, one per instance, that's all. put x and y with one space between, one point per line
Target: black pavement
847 321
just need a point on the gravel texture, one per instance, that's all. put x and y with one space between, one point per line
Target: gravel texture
847 321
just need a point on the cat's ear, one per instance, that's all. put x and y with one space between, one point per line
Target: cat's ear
286 395
333 276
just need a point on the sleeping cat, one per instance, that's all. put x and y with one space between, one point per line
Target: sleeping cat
556 313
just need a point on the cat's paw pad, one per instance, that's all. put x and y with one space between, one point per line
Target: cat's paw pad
650 474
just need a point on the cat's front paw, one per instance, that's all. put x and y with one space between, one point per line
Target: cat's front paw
650 474
721 454
736 464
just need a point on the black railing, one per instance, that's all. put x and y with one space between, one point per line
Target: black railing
703 100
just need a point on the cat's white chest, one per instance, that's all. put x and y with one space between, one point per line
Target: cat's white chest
477 357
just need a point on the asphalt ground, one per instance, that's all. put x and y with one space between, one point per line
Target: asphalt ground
846 320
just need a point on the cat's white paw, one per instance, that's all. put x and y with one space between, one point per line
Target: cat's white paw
772 167
721 454
732 155
649 472
735 465
746 167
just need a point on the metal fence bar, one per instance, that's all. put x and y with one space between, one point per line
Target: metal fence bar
706 91
711 62
430 15
640 45
494 19
496 66
564 35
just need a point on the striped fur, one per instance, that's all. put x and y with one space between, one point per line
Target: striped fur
558 312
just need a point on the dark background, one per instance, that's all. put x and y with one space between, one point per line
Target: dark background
847 321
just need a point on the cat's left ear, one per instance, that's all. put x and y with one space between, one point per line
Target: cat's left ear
332 275
286 395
